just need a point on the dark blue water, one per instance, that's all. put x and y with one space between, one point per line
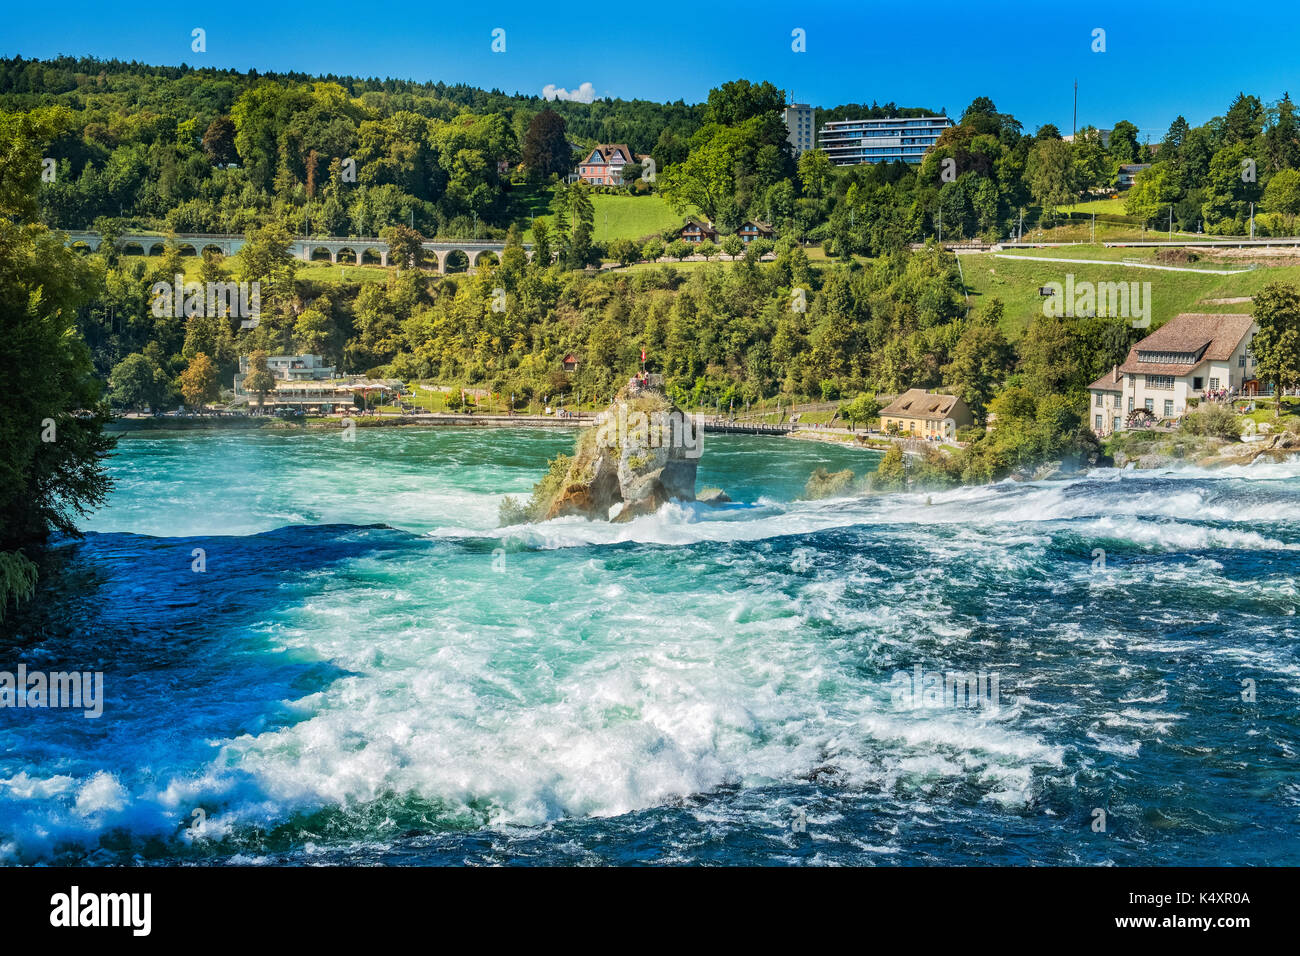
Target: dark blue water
413 686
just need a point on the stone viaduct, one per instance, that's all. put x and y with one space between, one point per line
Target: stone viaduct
451 256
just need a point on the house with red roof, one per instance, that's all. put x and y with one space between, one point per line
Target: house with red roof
604 164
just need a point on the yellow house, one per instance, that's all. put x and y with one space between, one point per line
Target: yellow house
924 415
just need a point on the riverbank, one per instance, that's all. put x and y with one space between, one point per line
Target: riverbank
271 423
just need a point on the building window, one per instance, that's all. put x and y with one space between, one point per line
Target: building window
1162 382
1169 408
1117 399
1214 383
1150 404
1198 383
1241 360
1115 424
1098 423
1098 403
1130 403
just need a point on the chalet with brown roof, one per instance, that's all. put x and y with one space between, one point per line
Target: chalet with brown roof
1192 356
752 229
696 231
923 414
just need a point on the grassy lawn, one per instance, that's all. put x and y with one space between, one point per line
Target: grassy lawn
1266 408
1113 207
1016 282
617 216
1104 232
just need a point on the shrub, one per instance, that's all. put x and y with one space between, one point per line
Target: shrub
825 484
514 511
891 472
1213 421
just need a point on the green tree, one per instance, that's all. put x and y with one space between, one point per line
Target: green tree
1244 120
891 471
259 379
1152 193
137 383
624 251
405 247
816 173
706 178
314 328
199 383
546 145
1282 194
981 360
575 215
739 100
52 445
1228 187
1051 174
541 243
1276 345
265 259
1124 146
1282 139
861 410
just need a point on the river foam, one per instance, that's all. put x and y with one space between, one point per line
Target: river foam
442 689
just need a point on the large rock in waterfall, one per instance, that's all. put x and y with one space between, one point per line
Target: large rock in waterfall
642 452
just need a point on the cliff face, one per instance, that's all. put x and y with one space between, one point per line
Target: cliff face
642 453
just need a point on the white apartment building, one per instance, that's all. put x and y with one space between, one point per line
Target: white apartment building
288 368
1193 355
799 122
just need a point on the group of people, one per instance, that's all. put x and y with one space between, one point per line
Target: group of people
1220 394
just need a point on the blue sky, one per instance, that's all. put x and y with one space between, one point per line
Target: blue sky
1162 57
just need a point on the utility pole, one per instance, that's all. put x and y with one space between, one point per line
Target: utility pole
1171 221
941 225
1093 237
1074 123
1252 221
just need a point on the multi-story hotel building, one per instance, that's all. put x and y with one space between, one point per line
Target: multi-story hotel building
799 121
849 142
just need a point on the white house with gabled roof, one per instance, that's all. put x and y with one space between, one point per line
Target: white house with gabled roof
1192 356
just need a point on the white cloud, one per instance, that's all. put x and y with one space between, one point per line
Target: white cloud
583 94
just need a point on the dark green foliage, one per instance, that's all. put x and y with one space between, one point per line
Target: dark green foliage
51 441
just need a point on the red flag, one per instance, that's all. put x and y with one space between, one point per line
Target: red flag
643 355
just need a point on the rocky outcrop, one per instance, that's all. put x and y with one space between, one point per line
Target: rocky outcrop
1162 450
825 484
642 453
